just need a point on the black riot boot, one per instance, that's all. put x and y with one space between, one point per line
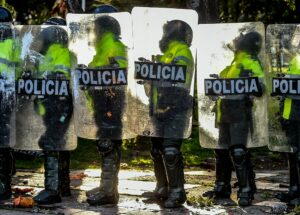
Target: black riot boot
294 189
245 175
174 168
108 190
64 163
6 172
222 188
51 194
161 189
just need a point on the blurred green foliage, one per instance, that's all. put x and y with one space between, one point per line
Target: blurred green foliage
274 11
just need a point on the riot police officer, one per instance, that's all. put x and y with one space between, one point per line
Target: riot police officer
290 118
234 119
171 110
56 113
7 64
107 105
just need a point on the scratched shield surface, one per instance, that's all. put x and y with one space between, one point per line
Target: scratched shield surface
104 92
282 50
44 117
164 55
225 120
8 62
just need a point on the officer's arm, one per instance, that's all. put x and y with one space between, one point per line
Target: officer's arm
185 57
294 65
257 71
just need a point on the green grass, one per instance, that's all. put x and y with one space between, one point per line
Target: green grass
192 152
199 201
26 164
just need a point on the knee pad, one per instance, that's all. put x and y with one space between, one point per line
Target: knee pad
171 154
238 155
105 145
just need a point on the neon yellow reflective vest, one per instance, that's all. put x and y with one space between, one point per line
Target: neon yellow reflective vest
177 53
57 59
242 61
294 69
109 46
7 57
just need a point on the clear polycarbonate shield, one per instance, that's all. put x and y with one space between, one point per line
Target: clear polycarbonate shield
7 85
231 85
104 92
282 50
44 117
164 55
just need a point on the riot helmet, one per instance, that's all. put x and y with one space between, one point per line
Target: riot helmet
250 42
105 24
52 35
5 32
5 15
176 30
55 21
106 8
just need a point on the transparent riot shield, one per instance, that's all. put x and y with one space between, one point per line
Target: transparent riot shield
164 55
104 89
44 101
7 85
231 85
282 49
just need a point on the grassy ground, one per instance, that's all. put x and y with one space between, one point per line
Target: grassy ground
135 154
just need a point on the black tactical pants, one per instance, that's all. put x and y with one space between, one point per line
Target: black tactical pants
108 111
292 130
5 114
167 152
232 134
56 120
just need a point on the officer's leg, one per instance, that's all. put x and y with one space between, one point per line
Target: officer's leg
293 135
67 111
161 189
222 188
65 173
7 165
51 194
242 163
294 190
6 172
108 191
223 168
174 169
56 120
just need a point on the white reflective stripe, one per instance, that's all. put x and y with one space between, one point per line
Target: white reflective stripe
120 58
62 67
294 97
183 58
234 97
291 76
6 62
